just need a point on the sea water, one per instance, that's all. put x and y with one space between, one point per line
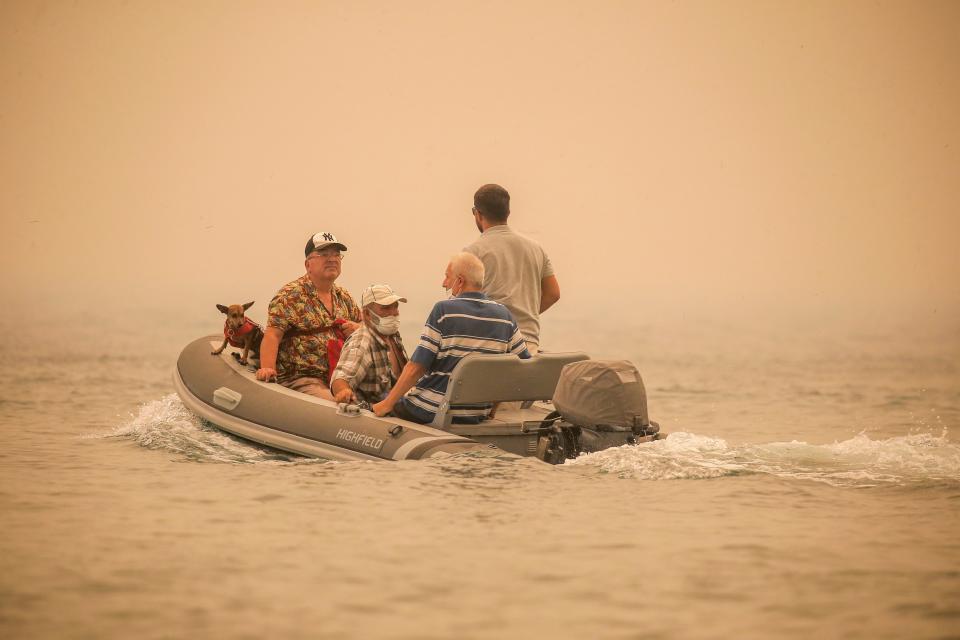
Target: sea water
808 486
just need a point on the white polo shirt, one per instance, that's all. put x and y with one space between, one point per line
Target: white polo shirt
514 267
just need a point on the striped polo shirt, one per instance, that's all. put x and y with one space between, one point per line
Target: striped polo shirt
469 323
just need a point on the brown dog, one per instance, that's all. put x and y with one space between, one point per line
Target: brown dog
240 332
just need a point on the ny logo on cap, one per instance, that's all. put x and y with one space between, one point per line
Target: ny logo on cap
328 236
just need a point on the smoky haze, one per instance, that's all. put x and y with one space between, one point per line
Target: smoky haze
743 159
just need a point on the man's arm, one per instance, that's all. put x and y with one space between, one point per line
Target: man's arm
549 292
268 353
408 377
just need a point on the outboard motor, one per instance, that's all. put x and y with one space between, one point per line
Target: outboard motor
600 404
558 440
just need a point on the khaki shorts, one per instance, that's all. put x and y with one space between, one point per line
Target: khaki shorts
311 386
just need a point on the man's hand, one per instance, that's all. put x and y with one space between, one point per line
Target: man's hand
382 408
267 375
410 374
345 395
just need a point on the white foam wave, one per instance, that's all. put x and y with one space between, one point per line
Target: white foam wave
859 461
167 424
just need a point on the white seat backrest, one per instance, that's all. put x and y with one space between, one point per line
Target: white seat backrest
503 378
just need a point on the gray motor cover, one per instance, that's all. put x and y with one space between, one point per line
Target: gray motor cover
592 393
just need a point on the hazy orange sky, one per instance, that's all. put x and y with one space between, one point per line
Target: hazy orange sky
670 156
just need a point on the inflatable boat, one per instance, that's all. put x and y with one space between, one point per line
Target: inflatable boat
227 394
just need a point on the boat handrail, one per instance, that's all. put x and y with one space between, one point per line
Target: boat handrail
503 378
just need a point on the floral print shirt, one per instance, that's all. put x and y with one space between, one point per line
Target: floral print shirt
296 308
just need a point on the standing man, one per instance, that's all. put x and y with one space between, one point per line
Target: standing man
518 271
468 323
374 356
307 321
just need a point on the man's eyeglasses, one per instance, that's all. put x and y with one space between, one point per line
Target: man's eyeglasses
336 255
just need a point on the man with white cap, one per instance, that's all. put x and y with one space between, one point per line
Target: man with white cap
307 322
373 356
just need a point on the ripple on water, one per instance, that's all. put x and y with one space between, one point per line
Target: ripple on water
917 459
167 425
920 458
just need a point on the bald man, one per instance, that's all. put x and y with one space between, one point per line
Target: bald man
467 323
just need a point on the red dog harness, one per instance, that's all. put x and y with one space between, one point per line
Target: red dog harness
235 336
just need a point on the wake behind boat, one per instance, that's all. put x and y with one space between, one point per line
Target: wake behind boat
606 408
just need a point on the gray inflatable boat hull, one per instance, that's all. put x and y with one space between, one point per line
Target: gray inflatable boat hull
222 391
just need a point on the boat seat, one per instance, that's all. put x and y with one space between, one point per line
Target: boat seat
503 378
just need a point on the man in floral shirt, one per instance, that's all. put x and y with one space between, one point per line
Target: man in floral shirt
307 321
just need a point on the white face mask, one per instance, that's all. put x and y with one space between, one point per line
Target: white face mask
452 292
388 325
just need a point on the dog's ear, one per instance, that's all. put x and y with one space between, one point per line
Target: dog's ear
223 308
248 305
